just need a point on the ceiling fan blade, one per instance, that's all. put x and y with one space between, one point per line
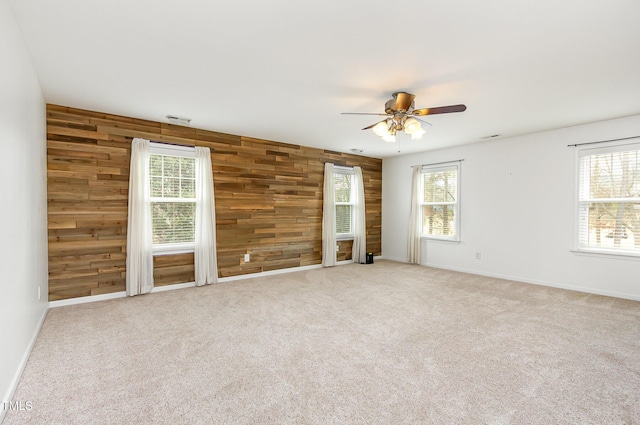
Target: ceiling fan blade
373 125
403 100
439 110
424 122
363 113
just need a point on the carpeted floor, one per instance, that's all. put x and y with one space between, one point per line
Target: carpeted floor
387 343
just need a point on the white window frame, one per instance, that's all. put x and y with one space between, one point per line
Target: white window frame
156 148
445 166
348 172
582 198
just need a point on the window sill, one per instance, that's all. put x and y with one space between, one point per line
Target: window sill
607 254
344 238
173 249
437 239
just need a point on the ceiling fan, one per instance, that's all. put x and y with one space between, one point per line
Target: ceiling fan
401 116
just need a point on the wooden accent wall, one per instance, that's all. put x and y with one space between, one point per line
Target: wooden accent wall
268 201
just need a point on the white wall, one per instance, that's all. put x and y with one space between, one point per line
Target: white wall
517 210
23 216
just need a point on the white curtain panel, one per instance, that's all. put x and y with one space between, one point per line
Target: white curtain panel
359 250
139 274
414 217
205 239
328 218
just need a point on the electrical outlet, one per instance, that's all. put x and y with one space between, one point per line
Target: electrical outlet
478 255
337 248
247 258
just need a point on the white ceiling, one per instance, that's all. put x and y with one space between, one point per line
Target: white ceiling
284 70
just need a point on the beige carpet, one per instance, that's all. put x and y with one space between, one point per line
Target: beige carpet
386 343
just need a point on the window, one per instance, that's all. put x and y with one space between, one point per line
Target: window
438 202
609 199
345 203
173 198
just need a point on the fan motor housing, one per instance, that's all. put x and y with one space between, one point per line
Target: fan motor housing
390 107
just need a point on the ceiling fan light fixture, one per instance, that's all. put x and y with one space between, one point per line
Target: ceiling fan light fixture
389 137
417 134
381 129
400 112
411 125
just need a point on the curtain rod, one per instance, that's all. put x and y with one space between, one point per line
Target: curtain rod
438 163
346 167
173 145
603 141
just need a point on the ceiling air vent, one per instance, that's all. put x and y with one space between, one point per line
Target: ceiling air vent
178 120
493 136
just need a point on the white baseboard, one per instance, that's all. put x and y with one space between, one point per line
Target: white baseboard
273 272
123 294
397 260
23 362
576 288
89 299
170 287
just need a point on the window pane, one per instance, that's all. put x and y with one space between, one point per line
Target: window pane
155 165
613 175
173 222
171 165
155 173
188 168
170 187
342 185
187 188
438 220
343 218
156 186
172 176
610 225
440 186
